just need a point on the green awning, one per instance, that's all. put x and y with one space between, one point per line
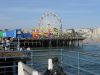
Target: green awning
1 34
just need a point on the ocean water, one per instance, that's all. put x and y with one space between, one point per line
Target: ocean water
84 60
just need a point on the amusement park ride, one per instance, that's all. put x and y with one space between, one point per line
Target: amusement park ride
49 25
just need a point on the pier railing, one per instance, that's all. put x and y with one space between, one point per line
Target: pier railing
73 63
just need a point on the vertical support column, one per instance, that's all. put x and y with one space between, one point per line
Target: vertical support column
28 42
36 42
31 58
50 45
75 43
14 68
63 43
5 71
78 64
82 43
61 57
57 42
78 43
70 43
39 43
32 43
67 43
42 42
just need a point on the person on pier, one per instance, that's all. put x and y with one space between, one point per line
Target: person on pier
7 42
3 44
54 67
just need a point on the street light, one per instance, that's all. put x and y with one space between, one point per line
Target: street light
18 37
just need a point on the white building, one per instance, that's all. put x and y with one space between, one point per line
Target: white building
96 33
85 32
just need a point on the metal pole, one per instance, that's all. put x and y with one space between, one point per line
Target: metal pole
61 31
5 71
61 58
78 64
18 44
31 58
14 68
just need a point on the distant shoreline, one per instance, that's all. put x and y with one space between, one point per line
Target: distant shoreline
91 41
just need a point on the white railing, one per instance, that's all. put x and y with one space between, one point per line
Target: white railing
24 69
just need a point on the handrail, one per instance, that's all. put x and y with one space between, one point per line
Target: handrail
87 53
8 66
83 69
82 59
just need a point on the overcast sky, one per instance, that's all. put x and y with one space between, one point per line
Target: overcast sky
26 13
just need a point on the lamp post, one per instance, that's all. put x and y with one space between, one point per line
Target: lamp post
18 33
18 47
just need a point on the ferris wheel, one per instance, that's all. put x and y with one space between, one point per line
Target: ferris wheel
49 22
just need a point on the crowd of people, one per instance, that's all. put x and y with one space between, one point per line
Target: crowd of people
5 44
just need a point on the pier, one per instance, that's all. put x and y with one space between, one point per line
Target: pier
59 42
